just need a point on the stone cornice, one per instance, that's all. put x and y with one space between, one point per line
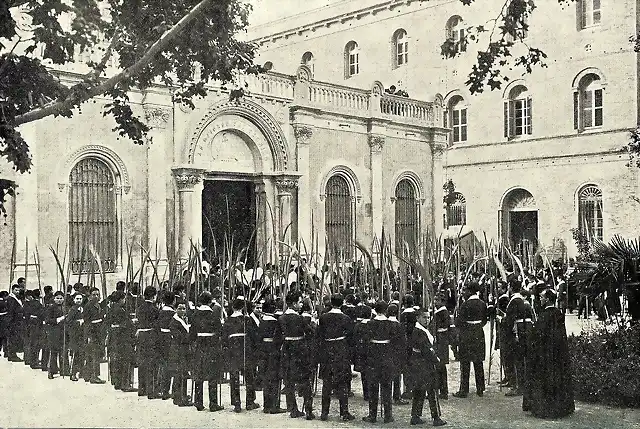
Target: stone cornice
187 177
157 117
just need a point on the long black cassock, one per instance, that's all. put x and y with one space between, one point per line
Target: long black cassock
549 390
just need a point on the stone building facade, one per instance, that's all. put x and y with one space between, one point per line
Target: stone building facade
530 161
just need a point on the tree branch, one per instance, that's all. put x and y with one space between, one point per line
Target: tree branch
91 76
75 98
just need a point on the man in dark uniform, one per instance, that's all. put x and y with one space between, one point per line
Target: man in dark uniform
93 319
75 336
515 337
269 344
383 338
4 322
121 345
204 333
334 336
180 356
440 325
15 316
472 316
238 352
163 344
295 365
54 317
399 359
147 336
33 322
408 320
423 365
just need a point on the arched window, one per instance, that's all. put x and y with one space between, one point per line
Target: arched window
407 216
590 212
92 215
518 112
308 60
456 119
400 48
457 210
589 13
588 109
456 32
351 59
338 211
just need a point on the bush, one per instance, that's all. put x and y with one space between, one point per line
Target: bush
606 366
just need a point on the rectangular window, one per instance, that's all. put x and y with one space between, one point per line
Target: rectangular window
459 125
402 53
590 13
592 111
353 64
518 117
458 36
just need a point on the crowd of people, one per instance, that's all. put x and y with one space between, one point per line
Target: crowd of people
282 345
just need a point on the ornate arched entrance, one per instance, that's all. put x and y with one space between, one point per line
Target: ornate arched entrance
519 224
234 182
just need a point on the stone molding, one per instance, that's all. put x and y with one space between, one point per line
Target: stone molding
286 184
187 178
104 153
376 143
302 133
157 117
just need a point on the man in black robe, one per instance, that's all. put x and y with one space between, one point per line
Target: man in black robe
548 391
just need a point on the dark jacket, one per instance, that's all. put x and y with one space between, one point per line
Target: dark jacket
55 328
422 364
334 343
383 338
204 334
472 316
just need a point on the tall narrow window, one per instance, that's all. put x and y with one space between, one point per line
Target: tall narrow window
457 211
352 59
92 215
401 48
407 216
589 12
338 211
309 61
458 119
588 103
518 118
590 212
456 32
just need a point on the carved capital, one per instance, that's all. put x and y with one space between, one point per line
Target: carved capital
302 134
187 178
376 143
157 117
286 184
438 149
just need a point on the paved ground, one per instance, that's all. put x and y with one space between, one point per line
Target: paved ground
31 400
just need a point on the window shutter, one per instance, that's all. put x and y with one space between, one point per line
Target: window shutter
506 119
576 110
512 118
530 112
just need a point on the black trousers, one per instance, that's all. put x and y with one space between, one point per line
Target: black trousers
417 404
465 371
179 389
270 393
198 392
303 387
44 361
147 377
584 306
250 394
14 343
408 382
119 367
397 388
364 376
443 383
342 390
379 381
77 360
93 356
164 378
55 361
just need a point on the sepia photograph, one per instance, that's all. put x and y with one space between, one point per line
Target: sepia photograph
320 214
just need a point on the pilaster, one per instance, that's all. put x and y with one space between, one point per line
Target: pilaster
303 135
189 185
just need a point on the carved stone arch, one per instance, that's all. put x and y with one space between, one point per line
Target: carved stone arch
587 71
438 100
258 116
105 154
415 181
377 88
518 198
513 84
304 73
349 175
451 95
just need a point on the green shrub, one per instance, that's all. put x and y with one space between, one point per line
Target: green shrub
606 366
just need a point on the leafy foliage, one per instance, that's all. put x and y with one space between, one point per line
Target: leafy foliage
180 44
607 366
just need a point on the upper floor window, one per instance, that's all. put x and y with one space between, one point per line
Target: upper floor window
352 59
589 12
401 48
457 211
456 32
456 119
518 112
308 60
587 103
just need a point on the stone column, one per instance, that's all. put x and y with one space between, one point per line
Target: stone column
376 143
262 221
286 185
158 119
187 180
303 134
436 225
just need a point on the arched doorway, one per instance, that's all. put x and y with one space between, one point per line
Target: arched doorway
520 224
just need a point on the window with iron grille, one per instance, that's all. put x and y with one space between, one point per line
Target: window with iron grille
407 216
457 211
338 211
589 12
92 215
590 212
